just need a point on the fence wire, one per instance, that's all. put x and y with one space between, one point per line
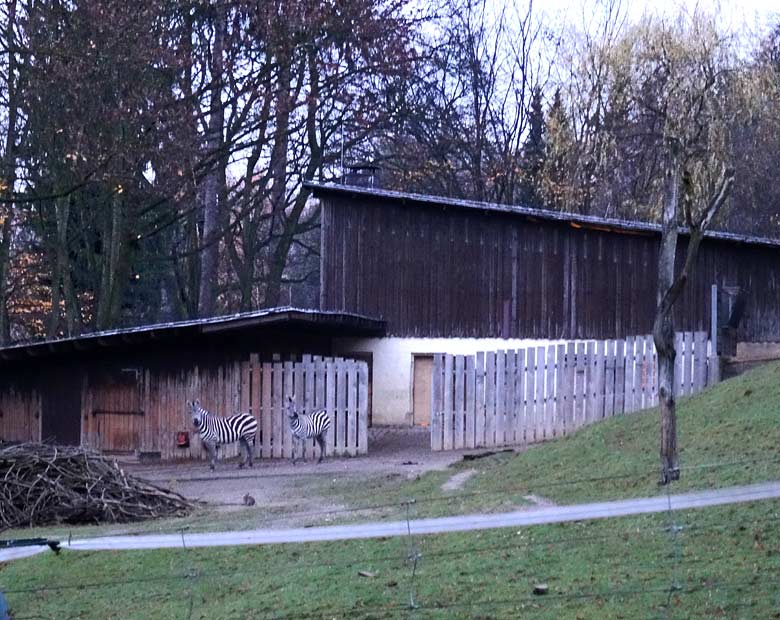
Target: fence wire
659 576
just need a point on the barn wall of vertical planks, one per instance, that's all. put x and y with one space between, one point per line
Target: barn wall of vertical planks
525 273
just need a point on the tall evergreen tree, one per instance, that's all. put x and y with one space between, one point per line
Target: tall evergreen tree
534 151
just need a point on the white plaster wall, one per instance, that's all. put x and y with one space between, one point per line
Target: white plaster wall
392 366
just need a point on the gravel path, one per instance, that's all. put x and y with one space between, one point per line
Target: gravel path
534 516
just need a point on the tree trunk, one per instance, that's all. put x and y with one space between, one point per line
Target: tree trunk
5 268
115 269
8 172
60 253
210 239
663 328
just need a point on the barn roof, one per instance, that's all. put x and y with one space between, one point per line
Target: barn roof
277 319
573 220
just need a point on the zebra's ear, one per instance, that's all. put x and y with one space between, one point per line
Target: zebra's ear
197 402
290 399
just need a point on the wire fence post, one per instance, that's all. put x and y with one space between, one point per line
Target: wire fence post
674 530
191 574
413 556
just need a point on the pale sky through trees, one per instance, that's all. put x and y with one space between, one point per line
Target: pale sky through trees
757 16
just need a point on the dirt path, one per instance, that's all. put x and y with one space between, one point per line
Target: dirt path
535 516
275 482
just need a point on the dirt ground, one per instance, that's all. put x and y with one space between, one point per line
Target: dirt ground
279 484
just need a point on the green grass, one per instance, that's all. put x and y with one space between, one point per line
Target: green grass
728 435
726 560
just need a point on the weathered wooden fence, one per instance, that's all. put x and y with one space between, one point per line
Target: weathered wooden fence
504 398
150 420
339 386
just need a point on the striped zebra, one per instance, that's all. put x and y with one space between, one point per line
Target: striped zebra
304 426
215 430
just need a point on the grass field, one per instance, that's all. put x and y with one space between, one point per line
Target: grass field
722 562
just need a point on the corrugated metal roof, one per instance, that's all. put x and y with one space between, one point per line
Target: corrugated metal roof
344 322
572 219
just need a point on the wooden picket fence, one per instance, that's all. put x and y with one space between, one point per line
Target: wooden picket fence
510 398
340 386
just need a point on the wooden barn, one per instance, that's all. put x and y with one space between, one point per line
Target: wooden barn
125 391
455 276
403 278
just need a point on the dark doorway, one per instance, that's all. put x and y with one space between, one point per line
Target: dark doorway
61 407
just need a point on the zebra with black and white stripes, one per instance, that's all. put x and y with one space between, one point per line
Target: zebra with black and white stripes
304 426
215 431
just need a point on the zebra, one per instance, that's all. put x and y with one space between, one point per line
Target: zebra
215 430
304 426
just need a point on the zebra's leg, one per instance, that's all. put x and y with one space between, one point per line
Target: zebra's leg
293 451
250 448
245 452
212 450
321 442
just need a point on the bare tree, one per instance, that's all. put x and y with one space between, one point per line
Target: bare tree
683 74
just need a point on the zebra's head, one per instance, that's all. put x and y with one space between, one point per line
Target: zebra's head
197 412
292 412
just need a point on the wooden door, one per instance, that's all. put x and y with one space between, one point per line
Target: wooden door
117 416
61 407
421 389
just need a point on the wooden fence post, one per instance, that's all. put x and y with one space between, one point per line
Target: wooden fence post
490 399
480 409
352 408
437 403
498 429
448 403
530 399
539 405
520 408
471 401
549 397
459 403
362 420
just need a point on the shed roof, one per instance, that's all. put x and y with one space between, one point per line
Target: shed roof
286 318
574 220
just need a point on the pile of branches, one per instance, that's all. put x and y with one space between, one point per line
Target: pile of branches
42 484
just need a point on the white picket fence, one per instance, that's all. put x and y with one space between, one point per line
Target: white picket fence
510 398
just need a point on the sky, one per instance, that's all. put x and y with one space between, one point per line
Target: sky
752 15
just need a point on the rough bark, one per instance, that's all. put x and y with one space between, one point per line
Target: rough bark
670 285
115 266
291 221
210 238
8 173
5 251
663 327
281 224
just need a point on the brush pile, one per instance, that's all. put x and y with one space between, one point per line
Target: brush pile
43 484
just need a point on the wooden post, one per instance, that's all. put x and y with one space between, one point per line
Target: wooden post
437 402
498 426
479 417
471 401
714 319
362 413
448 403
549 398
460 406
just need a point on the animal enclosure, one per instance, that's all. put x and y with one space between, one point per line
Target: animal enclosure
147 415
338 386
506 398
